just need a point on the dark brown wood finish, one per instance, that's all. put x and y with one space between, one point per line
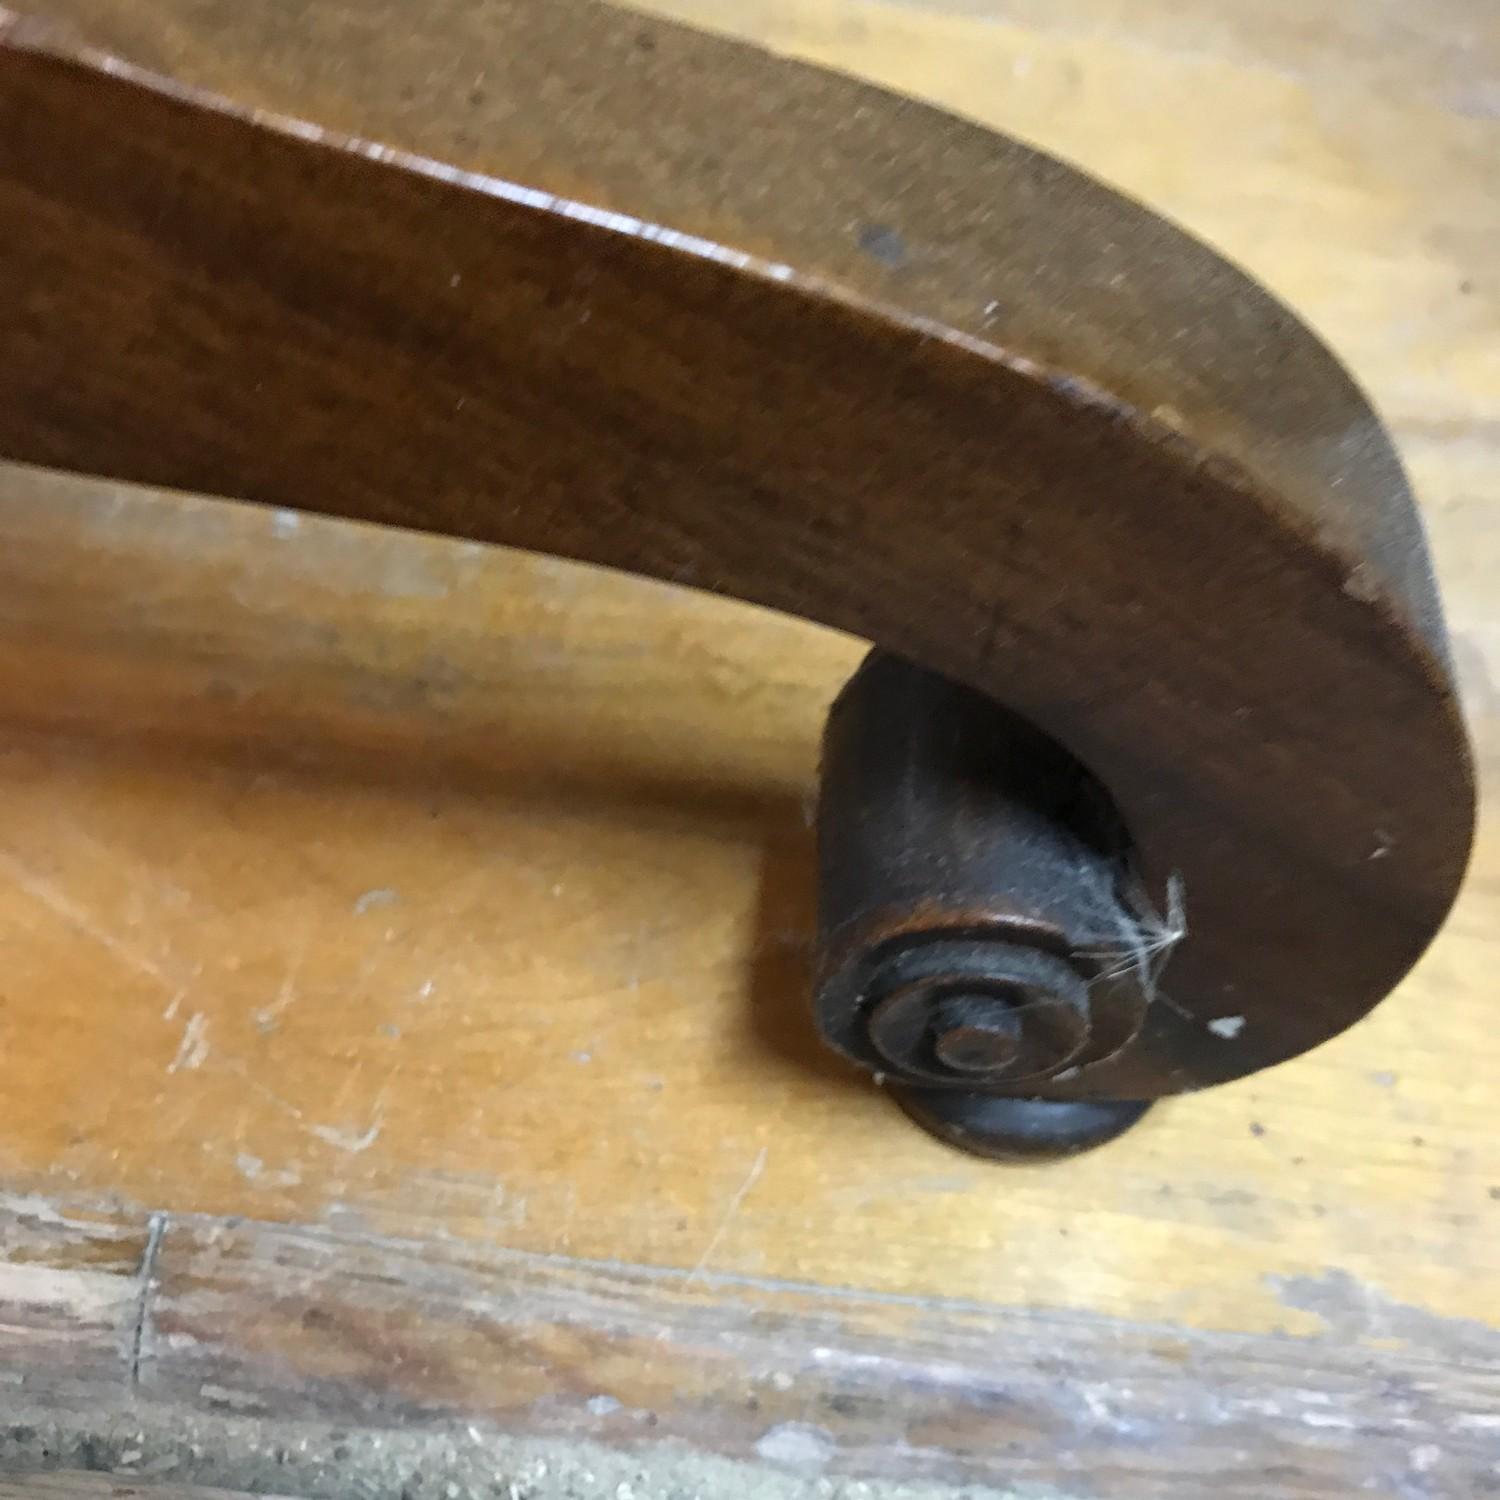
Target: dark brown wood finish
943 392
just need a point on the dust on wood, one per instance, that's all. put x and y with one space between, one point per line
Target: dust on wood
254 1355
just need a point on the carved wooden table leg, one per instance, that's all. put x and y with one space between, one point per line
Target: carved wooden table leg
985 934
935 389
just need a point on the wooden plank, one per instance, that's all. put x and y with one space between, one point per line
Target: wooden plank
72 1298
300 1331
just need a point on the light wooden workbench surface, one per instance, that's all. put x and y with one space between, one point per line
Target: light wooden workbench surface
426 894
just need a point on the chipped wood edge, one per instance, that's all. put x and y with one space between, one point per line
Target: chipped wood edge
289 1357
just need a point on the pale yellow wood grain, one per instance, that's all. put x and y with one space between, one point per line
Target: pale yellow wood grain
392 882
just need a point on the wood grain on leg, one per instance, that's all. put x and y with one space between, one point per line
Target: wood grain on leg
1144 508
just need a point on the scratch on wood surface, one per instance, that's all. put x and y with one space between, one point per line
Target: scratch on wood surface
44 891
286 992
342 1138
154 1235
192 1052
345 1139
742 1192
235 1066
